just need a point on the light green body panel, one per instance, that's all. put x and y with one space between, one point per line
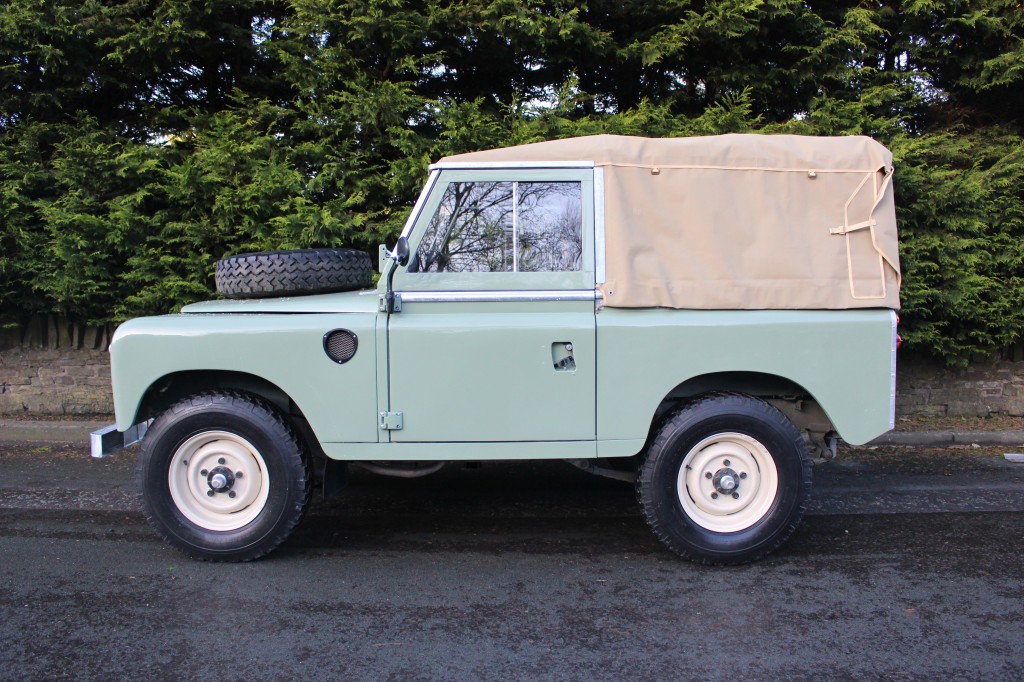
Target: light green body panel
476 380
338 400
346 302
845 359
462 451
484 372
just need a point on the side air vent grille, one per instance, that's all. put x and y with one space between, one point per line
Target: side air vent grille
340 345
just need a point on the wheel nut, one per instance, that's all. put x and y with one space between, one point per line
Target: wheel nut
238 474
743 475
203 472
231 494
220 461
735 496
727 463
714 496
209 493
707 475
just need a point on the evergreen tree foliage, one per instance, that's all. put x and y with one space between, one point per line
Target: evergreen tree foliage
141 140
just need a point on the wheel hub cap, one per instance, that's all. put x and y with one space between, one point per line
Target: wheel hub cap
220 479
726 481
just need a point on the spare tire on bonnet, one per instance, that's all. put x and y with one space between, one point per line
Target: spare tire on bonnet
282 273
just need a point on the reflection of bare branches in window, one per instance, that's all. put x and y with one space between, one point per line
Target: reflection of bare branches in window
467 234
551 229
472 230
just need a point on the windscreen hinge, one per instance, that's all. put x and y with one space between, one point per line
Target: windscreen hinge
396 303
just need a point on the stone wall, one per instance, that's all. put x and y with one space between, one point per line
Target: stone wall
979 390
51 367
37 381
67 372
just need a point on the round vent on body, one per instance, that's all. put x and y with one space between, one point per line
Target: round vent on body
340 345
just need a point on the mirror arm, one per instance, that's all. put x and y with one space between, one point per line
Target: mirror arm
389 297
399 257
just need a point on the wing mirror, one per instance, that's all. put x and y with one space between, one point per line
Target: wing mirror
401 254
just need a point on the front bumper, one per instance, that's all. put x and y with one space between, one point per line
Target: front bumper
108 440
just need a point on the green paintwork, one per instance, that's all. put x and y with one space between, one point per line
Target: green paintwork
474 374
477 380
461 451
841 357
490 375
346 302
339 401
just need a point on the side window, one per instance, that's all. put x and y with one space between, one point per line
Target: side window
550 227
504 227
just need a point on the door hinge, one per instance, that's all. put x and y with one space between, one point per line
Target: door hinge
391 421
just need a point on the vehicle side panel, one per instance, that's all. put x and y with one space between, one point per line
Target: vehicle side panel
842 358
338 400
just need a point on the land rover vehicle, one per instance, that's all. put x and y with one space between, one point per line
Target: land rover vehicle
703 316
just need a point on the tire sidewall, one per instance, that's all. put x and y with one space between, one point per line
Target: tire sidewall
687 536
173 429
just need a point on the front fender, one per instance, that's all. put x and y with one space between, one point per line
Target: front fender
338 400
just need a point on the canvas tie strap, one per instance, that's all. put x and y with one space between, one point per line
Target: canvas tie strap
847 227
868 224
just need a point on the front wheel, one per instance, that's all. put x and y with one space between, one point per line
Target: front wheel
725 481
223 477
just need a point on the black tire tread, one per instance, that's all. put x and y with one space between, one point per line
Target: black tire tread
261 411
298 272
645 483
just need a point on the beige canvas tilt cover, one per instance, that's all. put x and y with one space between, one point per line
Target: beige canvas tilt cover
739 221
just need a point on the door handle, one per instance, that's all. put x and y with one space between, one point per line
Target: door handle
562 357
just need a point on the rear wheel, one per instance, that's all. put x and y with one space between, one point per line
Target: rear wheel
223 477
725 481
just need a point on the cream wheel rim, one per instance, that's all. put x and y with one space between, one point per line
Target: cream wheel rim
218 480
727 482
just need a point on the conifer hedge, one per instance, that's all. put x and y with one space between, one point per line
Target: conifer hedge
142 140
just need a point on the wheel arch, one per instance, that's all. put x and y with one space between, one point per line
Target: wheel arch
797 403
170 388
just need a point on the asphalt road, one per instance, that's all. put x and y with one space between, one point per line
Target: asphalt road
908 568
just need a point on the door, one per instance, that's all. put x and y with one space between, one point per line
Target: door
495 339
